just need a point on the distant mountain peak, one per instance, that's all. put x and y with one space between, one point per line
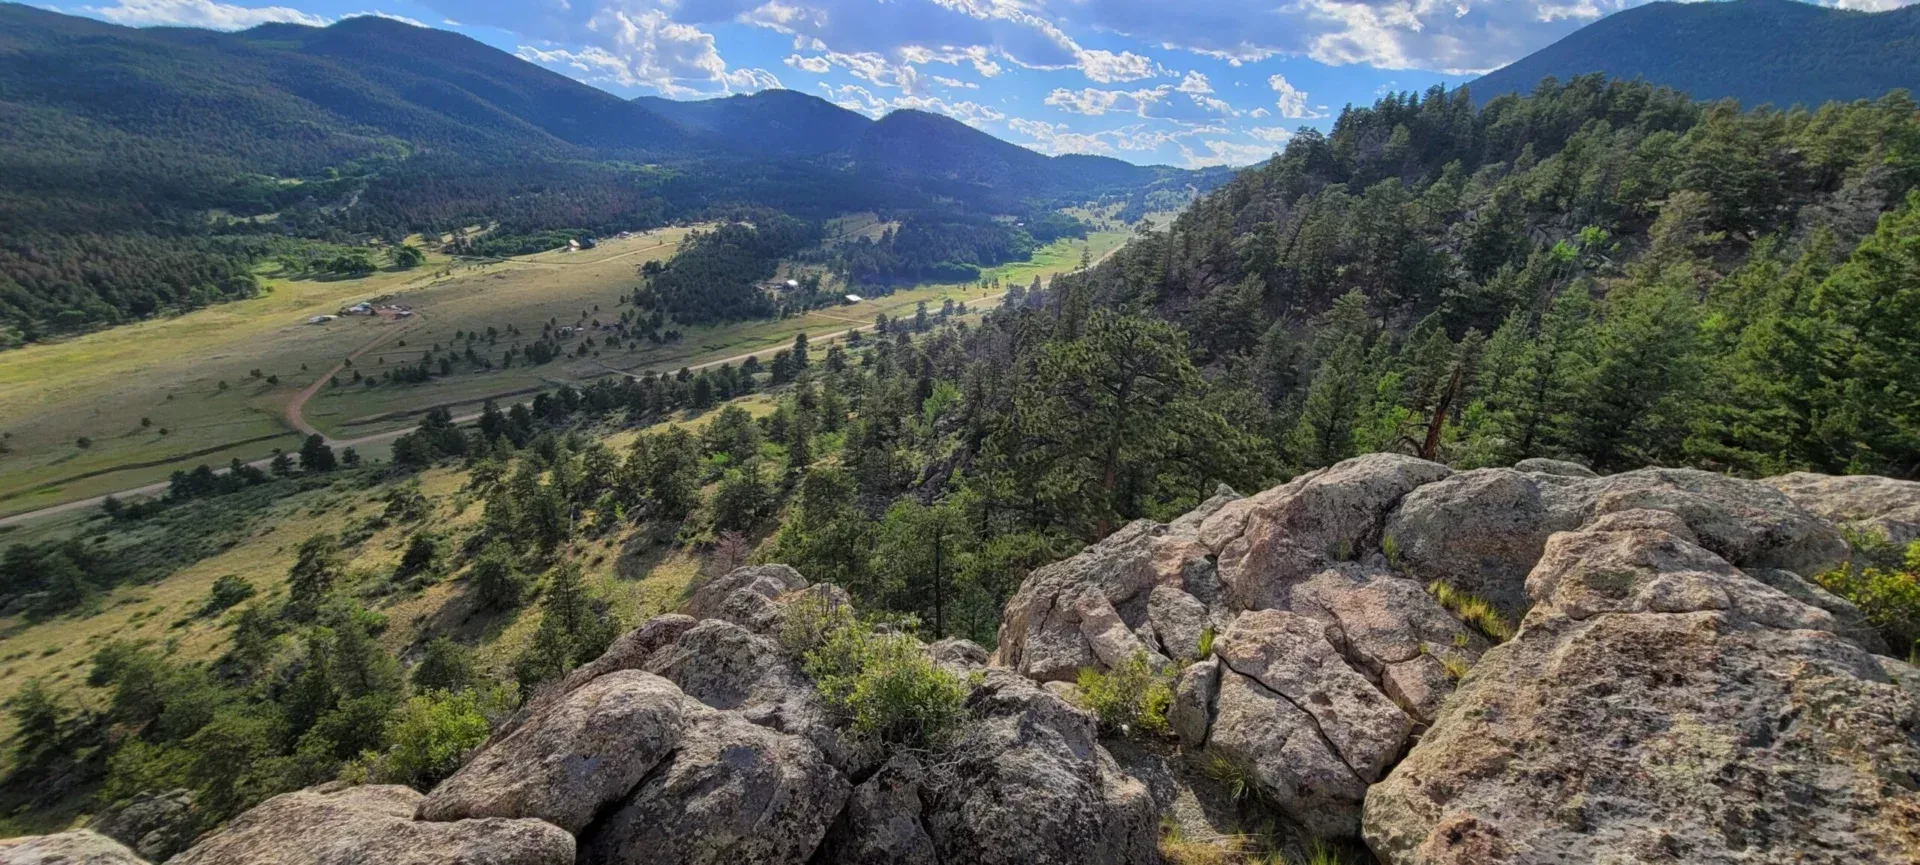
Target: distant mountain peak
1780 52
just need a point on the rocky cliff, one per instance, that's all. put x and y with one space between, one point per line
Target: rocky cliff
1674 689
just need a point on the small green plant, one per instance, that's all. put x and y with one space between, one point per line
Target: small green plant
1455 666
1131 698
1239 778
1390 546
1472 609
1206 642
884 686
1341 551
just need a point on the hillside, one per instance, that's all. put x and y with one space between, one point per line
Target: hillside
1777 52
130 149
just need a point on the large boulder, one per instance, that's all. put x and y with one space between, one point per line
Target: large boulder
563 766
1660 705
881 824
733 792
726 666
1091 610
155 825
1481 531
332 825
1312 730
630 651
1271 541
1031 784
79 847
1864 503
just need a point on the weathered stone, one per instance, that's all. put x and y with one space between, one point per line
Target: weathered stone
881 823
1848 620
1193 697
733 793
957 655
1745 522
155 825
564 765
1541 465
1480 531
1280 747
768 581
78 847
1658 704
1298 529
629 652
1864 503
1031 784
1178 620
1084 611
329 825
726 666
1289 654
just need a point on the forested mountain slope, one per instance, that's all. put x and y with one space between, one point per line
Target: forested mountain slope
121 144
1778 52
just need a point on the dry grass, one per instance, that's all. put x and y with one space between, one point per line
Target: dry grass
1472 609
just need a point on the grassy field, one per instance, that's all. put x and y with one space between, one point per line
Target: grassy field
169 371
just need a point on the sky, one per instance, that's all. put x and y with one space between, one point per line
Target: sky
1192 83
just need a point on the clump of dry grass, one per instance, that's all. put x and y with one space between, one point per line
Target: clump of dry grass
1472 609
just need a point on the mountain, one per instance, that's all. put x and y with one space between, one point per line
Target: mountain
1757 51
774 122
918 148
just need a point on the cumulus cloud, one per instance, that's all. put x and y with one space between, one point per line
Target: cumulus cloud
201 13
1214 152
1274 135
1293 101
854 97
815 65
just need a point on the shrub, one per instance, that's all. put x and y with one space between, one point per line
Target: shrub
885 687
446 666
1133 697
431 733
497 584
1889 596
1206 642
1472 609
228 591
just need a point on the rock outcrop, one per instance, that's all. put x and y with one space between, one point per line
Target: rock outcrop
335 825
1875 505
1659 704
79 847
1678 689
155 825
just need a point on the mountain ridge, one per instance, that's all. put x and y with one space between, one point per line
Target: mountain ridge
1778 52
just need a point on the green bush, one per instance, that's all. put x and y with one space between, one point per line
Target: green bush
885 687
227 592
1889 596
1131 698
431 733
497 584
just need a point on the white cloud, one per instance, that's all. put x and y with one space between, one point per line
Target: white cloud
1195 82
854 97
1107 67
1271 134
1293 101
647 48
1093 101
201 13
815 65
1224 153
955 83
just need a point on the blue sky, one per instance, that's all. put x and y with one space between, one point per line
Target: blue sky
1182 82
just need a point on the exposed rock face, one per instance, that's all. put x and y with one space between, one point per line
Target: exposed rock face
336 826
1863 503
1660 704
79 847
733 792
1092 609
565 765
155 825
729 667
1031 784
1482 531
